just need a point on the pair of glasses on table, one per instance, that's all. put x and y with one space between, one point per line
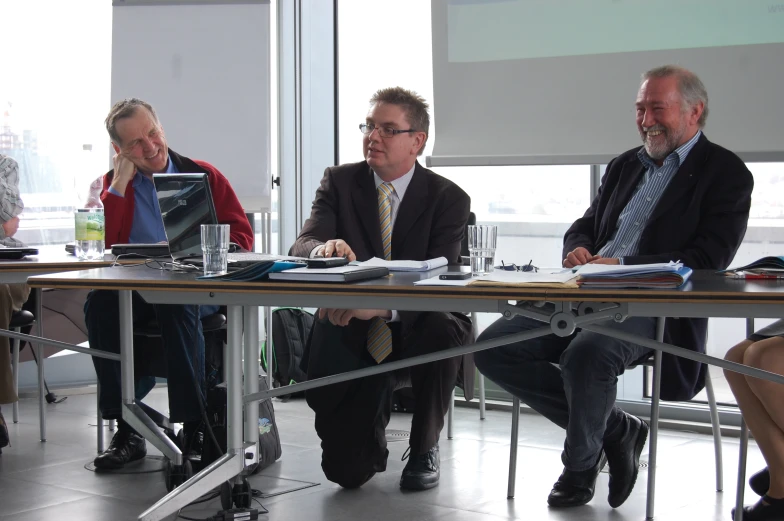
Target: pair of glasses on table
514 267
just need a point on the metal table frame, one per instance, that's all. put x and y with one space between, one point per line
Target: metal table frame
572 309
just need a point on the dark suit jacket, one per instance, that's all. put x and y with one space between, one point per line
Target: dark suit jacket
700 220
430 222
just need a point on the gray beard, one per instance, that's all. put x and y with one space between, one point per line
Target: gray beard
660 152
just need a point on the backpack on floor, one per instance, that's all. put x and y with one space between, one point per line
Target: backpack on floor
290 331
269 438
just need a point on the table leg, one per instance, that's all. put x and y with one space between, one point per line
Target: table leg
251 358
132 413
39 349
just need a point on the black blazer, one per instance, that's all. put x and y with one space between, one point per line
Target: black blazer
700 220
430 223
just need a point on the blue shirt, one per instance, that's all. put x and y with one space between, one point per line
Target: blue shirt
147 227
633 218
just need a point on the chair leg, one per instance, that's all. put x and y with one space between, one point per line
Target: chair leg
475 331
15 367
654 432
716 427
481 397
450 416
99 417
510 489
744 446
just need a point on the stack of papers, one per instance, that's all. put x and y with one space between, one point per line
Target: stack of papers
407 265
669 275
255 272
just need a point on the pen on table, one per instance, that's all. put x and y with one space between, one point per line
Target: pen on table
757 276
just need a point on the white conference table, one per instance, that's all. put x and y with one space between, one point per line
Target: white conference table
706 295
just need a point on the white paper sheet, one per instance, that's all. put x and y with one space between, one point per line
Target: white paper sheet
407 265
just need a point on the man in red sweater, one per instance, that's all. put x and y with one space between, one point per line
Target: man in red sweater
133 216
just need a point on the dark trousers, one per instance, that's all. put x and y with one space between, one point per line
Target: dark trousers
182 339
351 417
569 380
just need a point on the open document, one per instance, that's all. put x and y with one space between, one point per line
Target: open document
544 278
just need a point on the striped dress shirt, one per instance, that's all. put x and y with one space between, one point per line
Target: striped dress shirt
633 218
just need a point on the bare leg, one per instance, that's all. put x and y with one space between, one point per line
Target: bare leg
757 398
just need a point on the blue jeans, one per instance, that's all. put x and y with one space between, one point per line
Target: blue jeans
569 380
145 384
183 340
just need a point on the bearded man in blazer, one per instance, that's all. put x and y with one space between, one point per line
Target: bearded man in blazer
427 216
677 198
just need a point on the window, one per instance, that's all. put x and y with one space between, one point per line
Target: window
54 96
764 236
533 206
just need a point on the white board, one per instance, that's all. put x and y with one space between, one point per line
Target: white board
205 67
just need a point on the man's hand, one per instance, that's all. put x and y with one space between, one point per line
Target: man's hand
11 226
578 257
341 317
124 170
338 248
605 260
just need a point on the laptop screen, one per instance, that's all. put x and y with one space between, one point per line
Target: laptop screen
186 203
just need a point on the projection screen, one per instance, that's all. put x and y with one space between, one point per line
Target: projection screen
525 82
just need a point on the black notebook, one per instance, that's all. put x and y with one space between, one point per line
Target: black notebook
16 253
339 274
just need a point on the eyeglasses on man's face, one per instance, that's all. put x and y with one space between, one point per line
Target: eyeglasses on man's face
368 128
514 267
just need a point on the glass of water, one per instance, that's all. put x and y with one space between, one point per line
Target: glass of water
215 248
481 247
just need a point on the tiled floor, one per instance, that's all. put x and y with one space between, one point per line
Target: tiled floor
48 481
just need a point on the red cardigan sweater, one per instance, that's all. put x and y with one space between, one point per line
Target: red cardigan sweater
119 210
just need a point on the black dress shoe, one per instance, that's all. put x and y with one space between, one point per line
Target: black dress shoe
126 446
575 488
766 509
624 459
760 482
192 441
422 471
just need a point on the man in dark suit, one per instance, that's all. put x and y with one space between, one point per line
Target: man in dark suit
387 206
679 197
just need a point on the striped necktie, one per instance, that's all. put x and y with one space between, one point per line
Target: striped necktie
379 342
